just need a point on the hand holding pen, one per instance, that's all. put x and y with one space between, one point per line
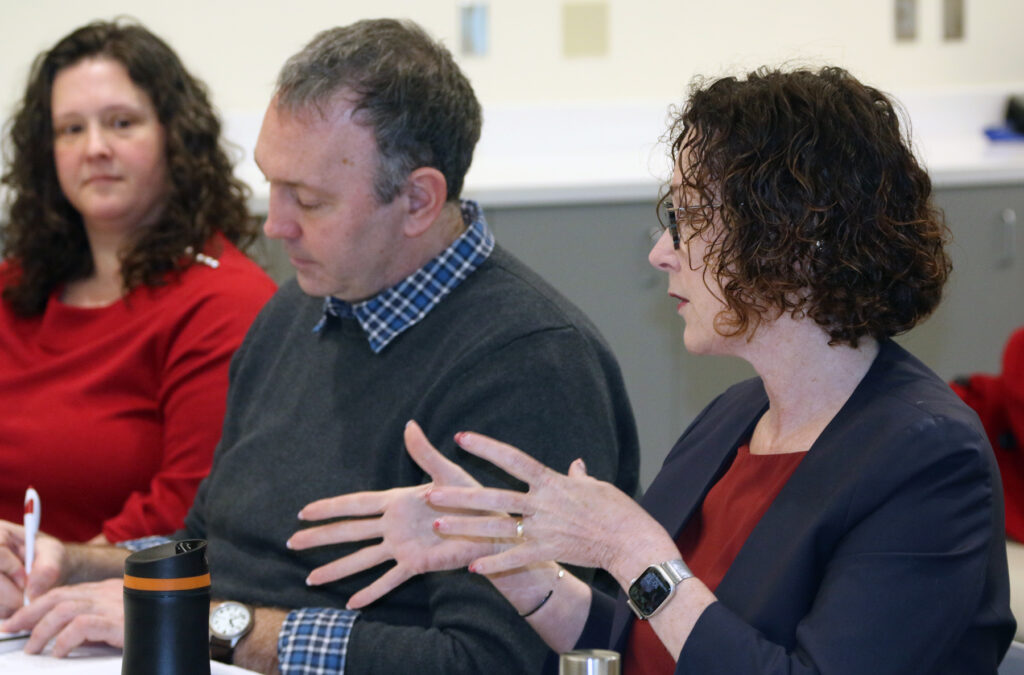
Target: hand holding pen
9 580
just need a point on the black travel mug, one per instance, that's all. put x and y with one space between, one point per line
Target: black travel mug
166 610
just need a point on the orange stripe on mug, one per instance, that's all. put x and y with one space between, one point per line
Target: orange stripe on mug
181 584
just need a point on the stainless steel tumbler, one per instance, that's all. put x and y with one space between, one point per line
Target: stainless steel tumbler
589 662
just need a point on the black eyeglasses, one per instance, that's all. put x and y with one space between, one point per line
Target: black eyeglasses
667 216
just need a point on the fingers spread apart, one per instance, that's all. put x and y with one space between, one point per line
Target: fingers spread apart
336 533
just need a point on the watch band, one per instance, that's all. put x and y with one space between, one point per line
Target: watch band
222 650
677 570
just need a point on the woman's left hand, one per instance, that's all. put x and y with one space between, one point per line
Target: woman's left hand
572 518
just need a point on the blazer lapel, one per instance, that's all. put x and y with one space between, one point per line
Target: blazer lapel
805 517
699 458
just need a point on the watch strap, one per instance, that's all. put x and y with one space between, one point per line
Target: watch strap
222 650
677 570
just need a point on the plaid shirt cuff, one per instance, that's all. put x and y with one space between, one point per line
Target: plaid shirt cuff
134 545
314 641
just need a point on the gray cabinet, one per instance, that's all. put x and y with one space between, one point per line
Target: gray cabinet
596 254
984 298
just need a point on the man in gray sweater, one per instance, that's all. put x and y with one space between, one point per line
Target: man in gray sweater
403 307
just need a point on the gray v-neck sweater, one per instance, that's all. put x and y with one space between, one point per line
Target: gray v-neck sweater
314 415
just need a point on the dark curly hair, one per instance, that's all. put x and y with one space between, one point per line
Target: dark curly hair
812 203
45 241
413 95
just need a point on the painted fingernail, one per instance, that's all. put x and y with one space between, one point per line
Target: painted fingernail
437 524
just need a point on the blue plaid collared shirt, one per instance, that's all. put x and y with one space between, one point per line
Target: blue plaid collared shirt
314 641
394 310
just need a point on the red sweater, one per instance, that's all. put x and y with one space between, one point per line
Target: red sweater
999 402
713 537
112 413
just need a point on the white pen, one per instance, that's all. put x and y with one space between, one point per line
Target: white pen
32 509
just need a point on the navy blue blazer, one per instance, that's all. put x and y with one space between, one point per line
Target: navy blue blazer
883 553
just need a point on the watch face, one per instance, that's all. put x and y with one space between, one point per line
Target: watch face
650 590
230 620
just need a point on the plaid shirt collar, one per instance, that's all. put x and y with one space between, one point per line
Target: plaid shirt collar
394 310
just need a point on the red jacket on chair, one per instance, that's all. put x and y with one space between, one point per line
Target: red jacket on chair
999 402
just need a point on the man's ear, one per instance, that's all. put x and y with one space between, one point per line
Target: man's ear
427 190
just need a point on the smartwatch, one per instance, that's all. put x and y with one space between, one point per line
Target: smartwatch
650 591
229 622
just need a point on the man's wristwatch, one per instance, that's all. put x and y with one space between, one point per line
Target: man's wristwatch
229 622
650 591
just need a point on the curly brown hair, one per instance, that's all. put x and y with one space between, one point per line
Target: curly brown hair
812 203
44 240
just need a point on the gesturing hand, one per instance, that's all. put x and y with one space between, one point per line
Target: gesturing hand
570 518
402 518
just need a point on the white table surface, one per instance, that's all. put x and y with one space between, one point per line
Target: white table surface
93 660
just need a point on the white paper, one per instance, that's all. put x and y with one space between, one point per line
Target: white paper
12 636
92 660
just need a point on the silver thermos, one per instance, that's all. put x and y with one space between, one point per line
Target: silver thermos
589 662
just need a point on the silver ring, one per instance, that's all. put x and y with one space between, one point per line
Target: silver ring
519 528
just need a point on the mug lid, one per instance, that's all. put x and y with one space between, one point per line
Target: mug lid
173 560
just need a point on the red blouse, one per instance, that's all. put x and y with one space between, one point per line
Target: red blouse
712 539
112 413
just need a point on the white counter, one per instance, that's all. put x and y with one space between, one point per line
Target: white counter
609 152
600 152
539 155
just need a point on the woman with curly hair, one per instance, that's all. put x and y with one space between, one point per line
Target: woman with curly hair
124 290
838 513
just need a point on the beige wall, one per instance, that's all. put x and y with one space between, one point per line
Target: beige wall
236 46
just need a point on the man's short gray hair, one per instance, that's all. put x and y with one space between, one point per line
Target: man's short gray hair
409 90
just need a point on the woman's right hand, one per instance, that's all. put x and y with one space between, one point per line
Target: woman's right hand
404 521
570 518
48 567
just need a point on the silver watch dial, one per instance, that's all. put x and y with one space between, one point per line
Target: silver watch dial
230 620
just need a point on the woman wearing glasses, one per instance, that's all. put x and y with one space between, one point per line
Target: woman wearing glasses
839 513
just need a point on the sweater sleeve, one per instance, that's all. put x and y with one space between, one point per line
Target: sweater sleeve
192 395
551 394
